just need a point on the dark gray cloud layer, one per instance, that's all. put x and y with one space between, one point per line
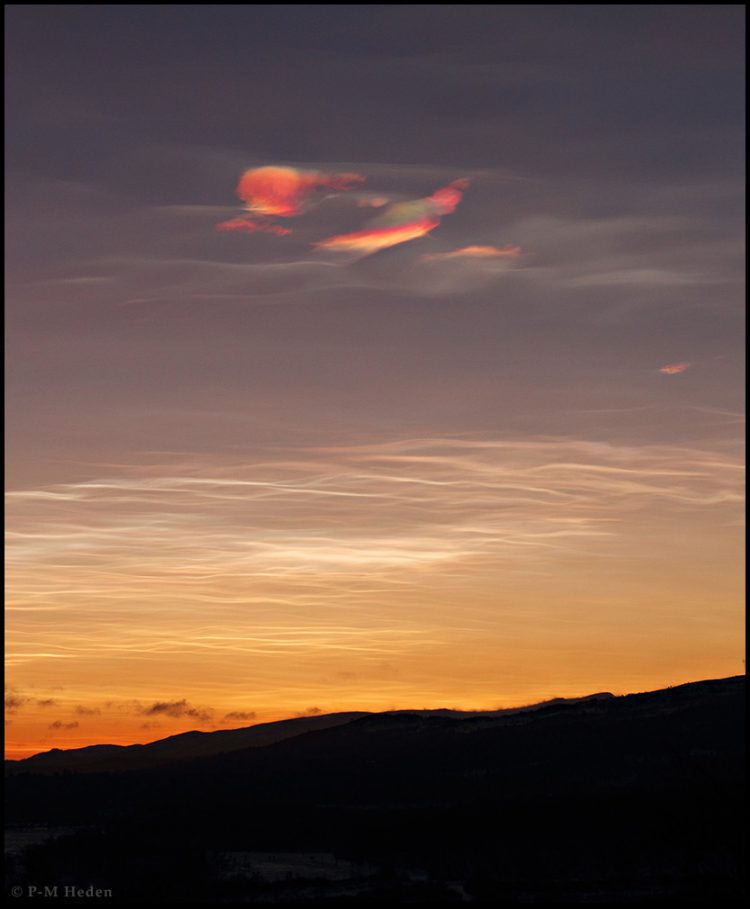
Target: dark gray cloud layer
628 90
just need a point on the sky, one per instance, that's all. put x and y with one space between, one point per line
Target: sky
368 357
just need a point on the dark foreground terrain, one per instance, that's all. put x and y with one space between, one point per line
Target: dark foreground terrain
635 799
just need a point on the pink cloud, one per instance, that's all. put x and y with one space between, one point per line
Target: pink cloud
281 192
674 368
247 224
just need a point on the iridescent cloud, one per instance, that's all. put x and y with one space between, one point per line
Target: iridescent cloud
372 202
252 227
400 222
475 252
374 239
281 192
673 368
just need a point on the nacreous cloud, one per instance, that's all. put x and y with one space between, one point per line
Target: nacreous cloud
400 222
475 252
252 227
673 368
281 192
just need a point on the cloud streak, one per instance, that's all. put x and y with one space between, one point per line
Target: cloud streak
475 252
299 553
247 225
400 222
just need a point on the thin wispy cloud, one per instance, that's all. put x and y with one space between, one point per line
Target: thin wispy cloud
672 369
253 227
296 557
475 252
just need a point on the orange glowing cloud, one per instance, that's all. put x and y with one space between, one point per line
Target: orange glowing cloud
476 252
251 226
370 241
674 368
400 222
282 191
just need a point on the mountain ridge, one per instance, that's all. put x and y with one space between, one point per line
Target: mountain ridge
194 744
628 798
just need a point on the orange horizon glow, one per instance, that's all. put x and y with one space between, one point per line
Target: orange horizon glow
467 573
111 733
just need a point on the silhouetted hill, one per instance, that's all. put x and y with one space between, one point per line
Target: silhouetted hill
186 745
183 746
628 799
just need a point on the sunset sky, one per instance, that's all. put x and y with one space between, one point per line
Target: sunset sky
444 410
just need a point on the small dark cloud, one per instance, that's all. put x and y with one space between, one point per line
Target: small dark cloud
150 725
178 710
14 700
58 724
240 715
87 711
311 711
